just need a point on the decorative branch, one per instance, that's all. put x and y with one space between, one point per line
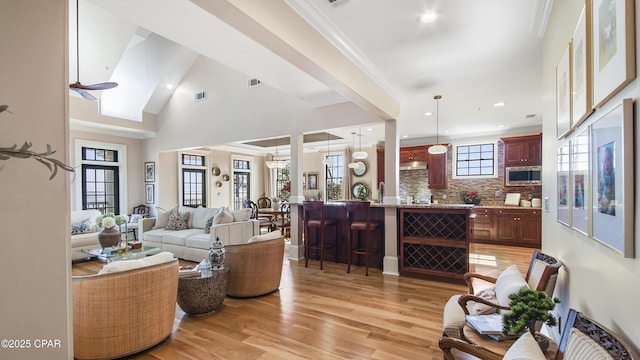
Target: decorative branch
23 152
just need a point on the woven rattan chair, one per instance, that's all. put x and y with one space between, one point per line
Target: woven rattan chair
119 314
256 267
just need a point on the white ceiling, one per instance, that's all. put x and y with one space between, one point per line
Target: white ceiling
475 54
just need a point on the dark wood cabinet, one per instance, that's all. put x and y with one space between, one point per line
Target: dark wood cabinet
514 227
413 153
523 150
484 225
522 227
437 170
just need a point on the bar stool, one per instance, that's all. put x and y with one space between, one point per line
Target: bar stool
313 212
359 219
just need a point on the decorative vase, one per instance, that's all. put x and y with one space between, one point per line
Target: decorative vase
109 237
216 254
275 205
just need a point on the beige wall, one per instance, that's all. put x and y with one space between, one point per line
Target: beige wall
135 165
34 236
595 280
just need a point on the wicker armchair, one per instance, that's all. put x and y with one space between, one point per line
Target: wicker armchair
256 267
122 313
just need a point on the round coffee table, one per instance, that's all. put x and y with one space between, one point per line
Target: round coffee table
203 295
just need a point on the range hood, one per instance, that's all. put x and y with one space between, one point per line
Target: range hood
413 165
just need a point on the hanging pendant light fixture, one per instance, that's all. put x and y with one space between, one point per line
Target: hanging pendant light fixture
276 162
353 164
327 160
438 148
360 155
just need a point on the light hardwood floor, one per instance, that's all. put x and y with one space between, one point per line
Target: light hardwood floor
326 314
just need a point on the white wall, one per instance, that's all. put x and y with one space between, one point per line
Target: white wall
594 280
34 237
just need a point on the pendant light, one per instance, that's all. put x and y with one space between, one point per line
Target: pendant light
327 160
360 155
353 164
438 148
276 162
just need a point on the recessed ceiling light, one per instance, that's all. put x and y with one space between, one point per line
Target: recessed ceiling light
428 17
169 86
428 113
405 136
498 104
446 131
500 126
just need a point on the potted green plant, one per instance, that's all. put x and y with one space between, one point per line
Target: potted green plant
529 306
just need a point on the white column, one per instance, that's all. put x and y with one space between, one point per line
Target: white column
296 249
390 264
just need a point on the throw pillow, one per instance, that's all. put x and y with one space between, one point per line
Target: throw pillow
224 216
200 216
242 215
82 227
177 221
525 347
162 218
508 282
135 218
208 224
483 309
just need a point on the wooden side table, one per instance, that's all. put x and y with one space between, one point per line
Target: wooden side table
501 347
203 295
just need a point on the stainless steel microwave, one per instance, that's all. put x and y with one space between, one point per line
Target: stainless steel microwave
523 176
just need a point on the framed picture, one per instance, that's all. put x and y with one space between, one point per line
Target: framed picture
313 180
150 171
564 194
579 175
563 93
581 69
150 192
613 47
612 211
304 181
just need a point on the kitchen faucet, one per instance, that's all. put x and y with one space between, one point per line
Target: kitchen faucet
380 192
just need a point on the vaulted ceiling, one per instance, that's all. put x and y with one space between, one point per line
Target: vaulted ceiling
475 54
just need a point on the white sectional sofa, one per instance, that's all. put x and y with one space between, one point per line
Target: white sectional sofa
192 243
84 232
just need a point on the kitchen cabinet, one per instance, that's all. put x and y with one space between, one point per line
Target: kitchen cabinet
413 153
520 227
437 170
523 150
484 225
380 160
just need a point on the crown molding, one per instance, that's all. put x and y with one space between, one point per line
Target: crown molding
310 12
540 17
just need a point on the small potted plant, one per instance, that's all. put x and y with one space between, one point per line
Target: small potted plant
471 197
529 306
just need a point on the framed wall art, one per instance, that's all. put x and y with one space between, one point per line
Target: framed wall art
581 69
613 36
563 93
612 211
150 171
313 180
564 194
579 181
150 192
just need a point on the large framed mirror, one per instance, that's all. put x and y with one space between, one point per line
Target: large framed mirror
361 169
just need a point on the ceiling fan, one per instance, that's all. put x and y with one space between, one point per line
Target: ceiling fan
78 86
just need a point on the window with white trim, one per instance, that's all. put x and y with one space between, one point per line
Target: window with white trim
473 161
193 182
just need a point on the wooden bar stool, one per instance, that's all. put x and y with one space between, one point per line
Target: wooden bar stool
359 219
313 212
